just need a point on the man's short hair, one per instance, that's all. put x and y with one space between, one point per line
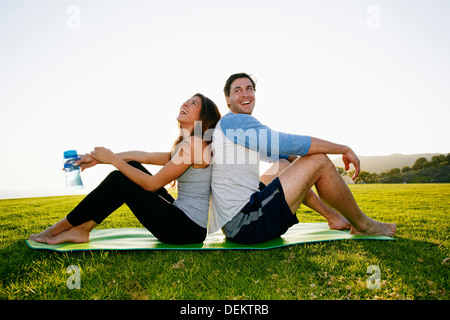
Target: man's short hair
235 76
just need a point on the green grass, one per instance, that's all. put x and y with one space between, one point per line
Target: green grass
413 267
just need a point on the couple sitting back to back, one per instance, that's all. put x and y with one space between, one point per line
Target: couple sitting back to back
249 208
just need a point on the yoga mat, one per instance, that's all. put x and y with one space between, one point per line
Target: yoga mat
142 239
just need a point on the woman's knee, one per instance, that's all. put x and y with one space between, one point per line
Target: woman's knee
115 176
134 163
139 166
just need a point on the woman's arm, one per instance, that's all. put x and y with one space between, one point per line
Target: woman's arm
85 162
174 168
167 174
156 158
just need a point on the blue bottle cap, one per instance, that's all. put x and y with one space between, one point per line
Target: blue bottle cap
70 154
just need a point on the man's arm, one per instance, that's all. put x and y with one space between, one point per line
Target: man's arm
247 131
326 147
323 146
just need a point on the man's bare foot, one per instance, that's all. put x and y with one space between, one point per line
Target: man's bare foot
375 228
75 235
336 221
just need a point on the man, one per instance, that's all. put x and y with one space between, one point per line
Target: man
247 210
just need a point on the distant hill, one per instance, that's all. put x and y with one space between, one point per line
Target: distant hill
379 164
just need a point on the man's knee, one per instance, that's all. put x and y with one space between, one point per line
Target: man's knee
319 160
280 165
283 163
317 155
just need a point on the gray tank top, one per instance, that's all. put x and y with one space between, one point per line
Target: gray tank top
194 189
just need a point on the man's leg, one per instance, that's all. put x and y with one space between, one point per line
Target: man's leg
318 170
335 220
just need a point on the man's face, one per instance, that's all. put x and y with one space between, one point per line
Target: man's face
242 96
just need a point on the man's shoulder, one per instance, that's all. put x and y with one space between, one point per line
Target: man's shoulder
234 121
231 115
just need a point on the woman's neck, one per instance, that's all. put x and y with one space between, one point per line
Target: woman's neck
185 132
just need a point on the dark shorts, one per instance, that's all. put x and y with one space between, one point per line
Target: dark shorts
266 216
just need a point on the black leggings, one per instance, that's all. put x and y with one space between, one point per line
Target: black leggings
155 210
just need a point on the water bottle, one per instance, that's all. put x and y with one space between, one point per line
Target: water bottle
73 177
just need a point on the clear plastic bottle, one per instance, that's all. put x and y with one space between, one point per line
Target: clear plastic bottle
73 177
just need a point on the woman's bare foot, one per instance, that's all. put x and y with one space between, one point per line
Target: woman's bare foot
51 231
375 228
43 236
75 235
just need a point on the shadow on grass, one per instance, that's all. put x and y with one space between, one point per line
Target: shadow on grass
417 266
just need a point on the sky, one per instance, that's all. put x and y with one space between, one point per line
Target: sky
373 75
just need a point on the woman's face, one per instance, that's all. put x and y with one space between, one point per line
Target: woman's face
190 112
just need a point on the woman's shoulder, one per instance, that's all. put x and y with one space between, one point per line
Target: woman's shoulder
198 150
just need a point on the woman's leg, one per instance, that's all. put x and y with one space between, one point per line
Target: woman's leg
109 196
51 231
94 208
164 220
78 234
154 210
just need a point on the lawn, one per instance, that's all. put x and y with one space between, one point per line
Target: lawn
415 266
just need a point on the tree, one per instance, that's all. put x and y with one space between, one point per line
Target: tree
394 171
437 160
351 173
366 177
341 171
419 163
406 169
427 164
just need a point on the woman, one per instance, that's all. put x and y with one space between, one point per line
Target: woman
180 221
